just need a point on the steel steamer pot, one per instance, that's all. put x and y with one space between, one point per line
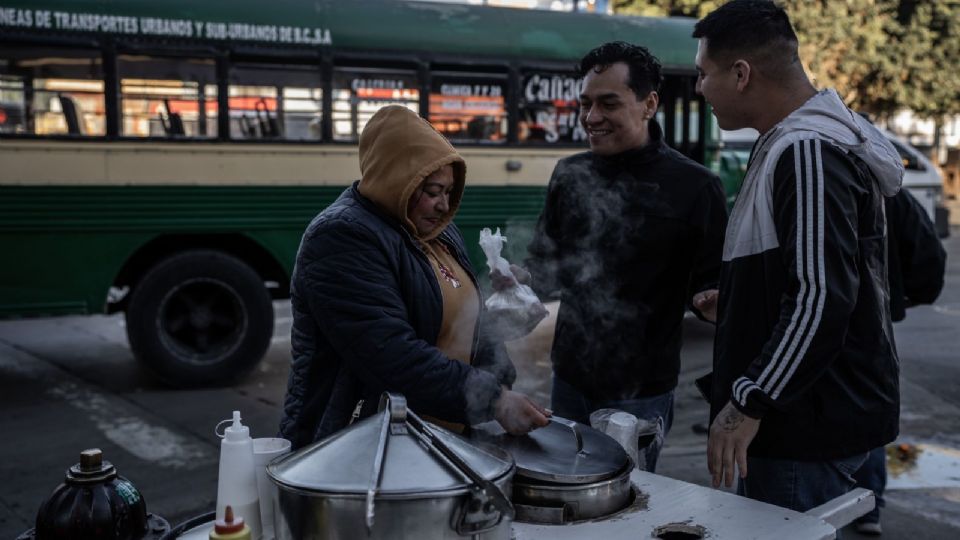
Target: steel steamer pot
566 472
393 476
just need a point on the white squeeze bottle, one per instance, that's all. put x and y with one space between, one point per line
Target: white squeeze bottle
237 481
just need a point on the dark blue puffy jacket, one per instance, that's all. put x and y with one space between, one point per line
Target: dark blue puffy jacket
367 311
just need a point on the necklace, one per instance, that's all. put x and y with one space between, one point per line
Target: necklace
448 275
446 271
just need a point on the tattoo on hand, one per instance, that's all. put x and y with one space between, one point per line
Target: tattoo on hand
731 421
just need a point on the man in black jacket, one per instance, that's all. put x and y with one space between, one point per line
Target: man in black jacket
805 378
630 232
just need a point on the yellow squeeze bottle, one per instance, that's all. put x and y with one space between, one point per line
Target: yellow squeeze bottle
230 528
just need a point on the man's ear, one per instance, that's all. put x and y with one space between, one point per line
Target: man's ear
652 101
742 69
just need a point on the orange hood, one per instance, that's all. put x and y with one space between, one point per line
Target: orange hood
398 149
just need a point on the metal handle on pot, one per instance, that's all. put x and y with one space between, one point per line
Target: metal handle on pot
573 427
394 422
487 504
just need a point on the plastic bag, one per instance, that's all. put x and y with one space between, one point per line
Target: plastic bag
515 311
641 438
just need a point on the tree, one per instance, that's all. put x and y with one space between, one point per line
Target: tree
881 55
846 45
928 40
666 8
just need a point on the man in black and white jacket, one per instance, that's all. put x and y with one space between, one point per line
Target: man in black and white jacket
805 379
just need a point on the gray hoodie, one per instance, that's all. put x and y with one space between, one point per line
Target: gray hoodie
824 116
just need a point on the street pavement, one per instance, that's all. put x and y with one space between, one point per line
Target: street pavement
70 383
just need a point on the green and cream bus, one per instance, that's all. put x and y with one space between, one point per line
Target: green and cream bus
163 158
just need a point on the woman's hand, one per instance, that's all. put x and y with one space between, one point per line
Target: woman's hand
518 414
500 282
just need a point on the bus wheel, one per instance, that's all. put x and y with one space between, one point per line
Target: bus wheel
200 317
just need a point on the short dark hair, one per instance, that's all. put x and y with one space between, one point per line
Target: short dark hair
644 67
760 29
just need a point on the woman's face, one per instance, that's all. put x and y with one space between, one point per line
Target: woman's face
430 202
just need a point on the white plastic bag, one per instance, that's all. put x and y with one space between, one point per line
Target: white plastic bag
515 311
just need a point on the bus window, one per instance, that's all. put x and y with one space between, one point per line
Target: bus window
683 140
469 108
168 97
680 116
51 92
678 122
694 122
549 109
275 101
360 92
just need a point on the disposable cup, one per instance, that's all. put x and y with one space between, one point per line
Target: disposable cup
623 428
265 450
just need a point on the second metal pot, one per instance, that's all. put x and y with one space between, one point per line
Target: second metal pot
537 501
566 472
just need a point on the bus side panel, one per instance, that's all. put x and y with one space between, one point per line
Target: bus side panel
53 264
283 244
63 246
59 272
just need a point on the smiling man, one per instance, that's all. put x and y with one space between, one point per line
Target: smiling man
630 234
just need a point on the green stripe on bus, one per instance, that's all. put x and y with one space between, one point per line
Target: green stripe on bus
70 242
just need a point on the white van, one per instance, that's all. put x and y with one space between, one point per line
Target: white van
924 181
920 176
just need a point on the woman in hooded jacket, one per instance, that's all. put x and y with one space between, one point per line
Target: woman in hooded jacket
384 297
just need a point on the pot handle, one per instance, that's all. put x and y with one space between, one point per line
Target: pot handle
486 505
393 421
550 515
574 427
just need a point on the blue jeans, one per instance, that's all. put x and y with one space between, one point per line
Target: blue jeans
873 475
798 485
568 402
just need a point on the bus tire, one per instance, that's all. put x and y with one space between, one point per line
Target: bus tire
201 317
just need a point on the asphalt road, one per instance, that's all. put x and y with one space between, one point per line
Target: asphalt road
67 384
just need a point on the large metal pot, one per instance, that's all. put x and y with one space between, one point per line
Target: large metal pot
566 472
393 476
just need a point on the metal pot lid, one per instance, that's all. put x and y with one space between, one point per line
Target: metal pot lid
345 463
551 453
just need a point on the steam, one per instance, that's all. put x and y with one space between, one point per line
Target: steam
601 210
